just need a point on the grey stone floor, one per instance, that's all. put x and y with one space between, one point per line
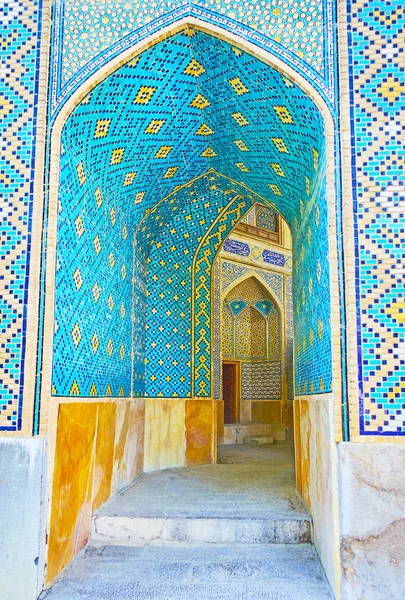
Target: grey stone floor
239 572
248 482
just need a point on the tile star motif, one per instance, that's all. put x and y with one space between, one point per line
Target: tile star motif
144 95
238 86
194 68
102 127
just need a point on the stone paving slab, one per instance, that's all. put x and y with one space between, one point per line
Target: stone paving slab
208 572
247 483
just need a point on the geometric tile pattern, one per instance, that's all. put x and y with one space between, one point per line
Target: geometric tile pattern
261 380
92 329
255 319
182 107
377 79
21 23
232 271
311 293
289 313
90 28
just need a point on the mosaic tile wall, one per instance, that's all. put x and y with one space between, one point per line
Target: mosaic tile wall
376 40
261 380
209 111
20 31
93 301
87 31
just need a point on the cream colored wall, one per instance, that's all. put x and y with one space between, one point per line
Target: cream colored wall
316 462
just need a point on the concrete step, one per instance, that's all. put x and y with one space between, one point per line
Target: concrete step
258 440
207 572
115 529
235 433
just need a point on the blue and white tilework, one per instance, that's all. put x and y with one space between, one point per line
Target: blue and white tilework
20 26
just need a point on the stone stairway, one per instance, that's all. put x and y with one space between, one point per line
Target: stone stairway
236 433
235 530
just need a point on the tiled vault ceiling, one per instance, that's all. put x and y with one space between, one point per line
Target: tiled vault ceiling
190 103
180 141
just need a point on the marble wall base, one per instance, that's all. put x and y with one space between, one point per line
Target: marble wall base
372 516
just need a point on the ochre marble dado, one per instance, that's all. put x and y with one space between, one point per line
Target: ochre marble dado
99 451
164 433
104 460
199 432
72 484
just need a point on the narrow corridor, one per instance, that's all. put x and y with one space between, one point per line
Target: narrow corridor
236 530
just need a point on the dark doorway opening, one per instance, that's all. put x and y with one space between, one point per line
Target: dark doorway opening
230 392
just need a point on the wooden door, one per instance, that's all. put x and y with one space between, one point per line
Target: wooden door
230 391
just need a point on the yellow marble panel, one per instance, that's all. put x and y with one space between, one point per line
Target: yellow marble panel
120 457
104 458
267 411
164 433
135 439
72 484
199 432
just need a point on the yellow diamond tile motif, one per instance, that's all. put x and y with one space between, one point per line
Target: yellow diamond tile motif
102 127
240 119
122 311
122 352
316 158
110 302
76 335
97 244
77 278
80 173
155 126
79 226
110 347
199 102
283 114
279 144
116 156
171 172
275 189
74 390
396 311
204 130
123 272
242 167
124 232
113 216
241 145
129 178
194 68
144 94
96 292
277 169
319 270
208 153
111 259
320 329
139 196
307 185
163 151
238 86
99 197
94 342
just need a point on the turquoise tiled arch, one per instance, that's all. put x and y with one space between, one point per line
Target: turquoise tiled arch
189 104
